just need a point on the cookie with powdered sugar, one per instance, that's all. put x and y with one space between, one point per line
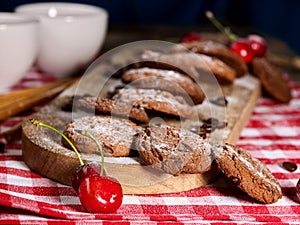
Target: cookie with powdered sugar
248 173
114 134
218 50
174 150
165 80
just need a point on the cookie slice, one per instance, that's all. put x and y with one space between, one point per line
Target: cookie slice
173 150
115 135
165 80
137 104
248 173
198 65
113 108
149 64
272 79
155 101
218 50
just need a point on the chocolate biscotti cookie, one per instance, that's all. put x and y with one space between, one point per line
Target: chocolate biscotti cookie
138 104
218 50
147 63
115 135
196 65
248 173
272 79
104 106
165 80
155 101
173 150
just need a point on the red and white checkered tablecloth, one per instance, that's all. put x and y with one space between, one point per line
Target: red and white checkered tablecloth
272 135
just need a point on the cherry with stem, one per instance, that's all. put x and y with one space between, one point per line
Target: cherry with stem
97 193
89 169
100 194
85 133
246 48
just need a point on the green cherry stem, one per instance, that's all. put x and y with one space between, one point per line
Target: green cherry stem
87 134
38 123
225 30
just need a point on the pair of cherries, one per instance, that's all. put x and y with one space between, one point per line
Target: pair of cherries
97 192
247 48
252 46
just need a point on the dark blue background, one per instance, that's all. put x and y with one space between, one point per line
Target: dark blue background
279 18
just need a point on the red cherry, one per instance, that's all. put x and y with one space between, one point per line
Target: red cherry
191 37
298 189
83 171
258 44
100 194
97 193
243 49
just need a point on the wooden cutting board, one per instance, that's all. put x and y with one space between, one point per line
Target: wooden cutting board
44 153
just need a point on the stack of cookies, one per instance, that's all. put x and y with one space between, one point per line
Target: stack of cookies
157 88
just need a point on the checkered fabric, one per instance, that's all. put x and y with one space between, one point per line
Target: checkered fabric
272 135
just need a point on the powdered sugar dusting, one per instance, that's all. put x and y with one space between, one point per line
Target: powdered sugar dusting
114 131
247 82
154 99
168 74
190 61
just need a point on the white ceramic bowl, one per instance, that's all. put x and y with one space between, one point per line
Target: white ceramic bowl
18 47
71 35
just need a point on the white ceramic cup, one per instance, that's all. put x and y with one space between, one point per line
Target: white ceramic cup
18 47
71 35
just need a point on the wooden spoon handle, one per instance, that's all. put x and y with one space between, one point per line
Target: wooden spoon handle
22 100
